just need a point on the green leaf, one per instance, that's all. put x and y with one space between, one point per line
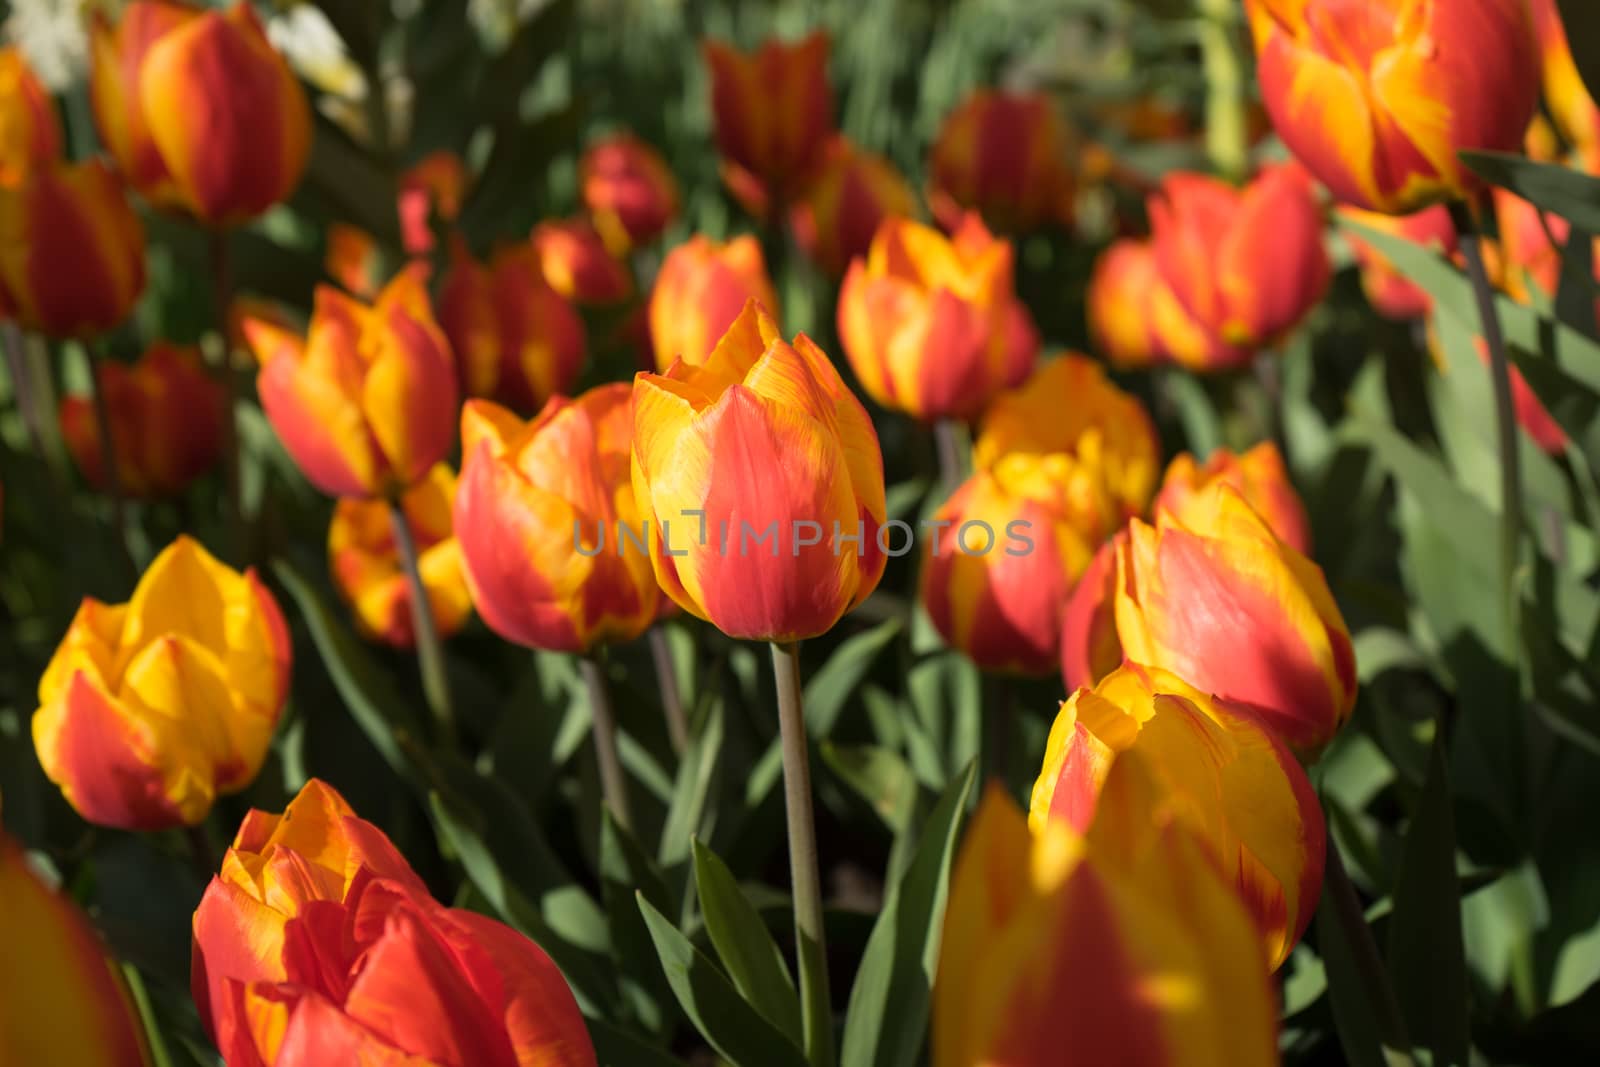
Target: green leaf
624 871
879 776
1572 194
732 1026
887 1019
744 944
688 811
831 686
616 1047
1353 1018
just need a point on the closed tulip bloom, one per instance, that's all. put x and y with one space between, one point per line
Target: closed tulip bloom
201 114
1003 155
1056 950
365 403
578 265
1260 477
60 998
1391 293
1566 97
366 566
700 290
166 422
1377 99
1220 601
761 478
1136 320
628 190
842 210
928 321
317 944
71 251
30 133
151 709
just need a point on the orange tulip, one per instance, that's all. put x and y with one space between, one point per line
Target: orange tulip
578 265
760 476
151 709
1391 293
1090 649
628 190
365 403
1566 96
1376 99
840 213
166 422
317 944
367 569
71 251
1259 476
1136 320
1003 155
30 134
61 1000
200 112
932 325
699 292
433 188
354 260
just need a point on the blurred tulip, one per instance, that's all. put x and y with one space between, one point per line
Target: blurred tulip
1260 477
365 404
628 191
1220 601
200 112
930 323
1232 783
30 133
317 944
1247 264
578 265
368 572
699 292
1566 97
71 251
151 709
544 515
515 338
432 188
762 443
1136 320
774 113
1376 99
1055 952
353 260
838 216
1003 155
61 1001
166 422
1090 649
1532 248
1391 293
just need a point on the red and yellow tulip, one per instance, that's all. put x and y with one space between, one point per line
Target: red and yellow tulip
856 190
578 265
30 133
432 189
1090 649
1136 320
1390 292
628 191
1566 97
1260 477
1003 155
699 292
151 709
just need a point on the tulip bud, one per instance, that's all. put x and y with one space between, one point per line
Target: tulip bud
151 709
317 944
852 196
930 324
1003 155
30 134
699 292
1391 293
166 422
365 404
61 1001
578 265
761 479
1377 99
1136 319
200 112
432 188
628 190
545 514
72 255
1259 476
1566 97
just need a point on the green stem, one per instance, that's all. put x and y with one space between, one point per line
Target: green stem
1227 139
108 455
816 1007
430 652
232 388
155 1041
951 469
671 698
1000 723
1374 976
613 782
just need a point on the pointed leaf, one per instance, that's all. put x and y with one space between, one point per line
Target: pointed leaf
831 686
744 944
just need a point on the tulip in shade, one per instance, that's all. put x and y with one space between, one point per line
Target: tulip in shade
762 441
1377 99
149 710
61 1001
365 403
1057 950
354 260
628 191
199 111
578 265
844 207
1566 96
433 188
1003 155
1135 318
317 944
1389 291
29 131
700 290
1260 477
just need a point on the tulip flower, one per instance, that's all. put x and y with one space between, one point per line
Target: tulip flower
1234 785
71 251
774 114
838 216
1003 155
544 516
1391 293
932 325
316 944
1377 99
30 133
201 114
760 475
699 292
578 265
1136 320
354 260
1220 601
368 572
1260 477
1247 264
432 188
166 422
151 709
365 403
628 191
1055 951
1090 649
61 1000
1566 96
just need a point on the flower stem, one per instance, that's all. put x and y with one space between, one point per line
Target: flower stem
951 469
613 782
1227 139
671 699
430 653
816 1007
232 386
108 455
1358 938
